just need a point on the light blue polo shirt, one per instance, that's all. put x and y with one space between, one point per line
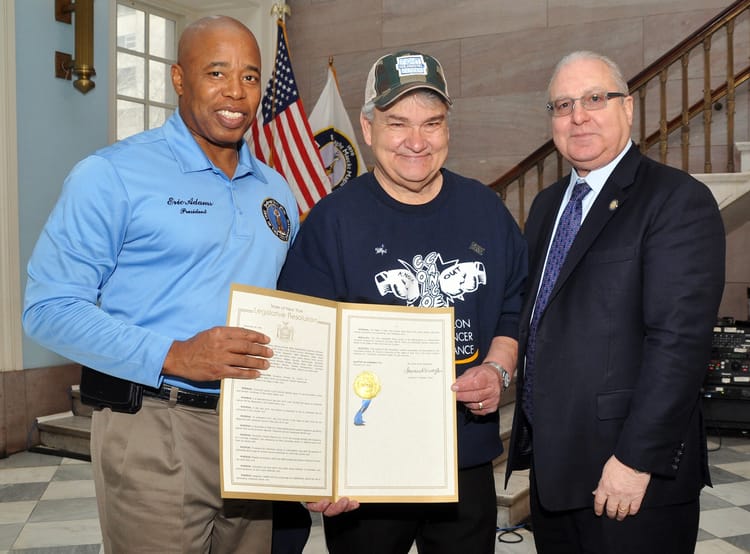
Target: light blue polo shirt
142 247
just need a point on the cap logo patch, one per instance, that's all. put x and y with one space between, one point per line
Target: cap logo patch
411 65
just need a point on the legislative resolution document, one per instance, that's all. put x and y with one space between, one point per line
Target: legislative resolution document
356 403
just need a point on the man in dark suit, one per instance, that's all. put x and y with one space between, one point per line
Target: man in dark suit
625 279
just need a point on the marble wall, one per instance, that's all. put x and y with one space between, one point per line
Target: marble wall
28 393
736 300
497 54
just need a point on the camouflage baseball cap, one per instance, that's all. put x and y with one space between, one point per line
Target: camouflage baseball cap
393 75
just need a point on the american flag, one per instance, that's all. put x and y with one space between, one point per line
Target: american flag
282 137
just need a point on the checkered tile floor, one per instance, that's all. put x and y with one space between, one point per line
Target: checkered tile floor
47 505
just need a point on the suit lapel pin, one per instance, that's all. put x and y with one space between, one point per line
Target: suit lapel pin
614 205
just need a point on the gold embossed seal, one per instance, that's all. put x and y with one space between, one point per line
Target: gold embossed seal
366 385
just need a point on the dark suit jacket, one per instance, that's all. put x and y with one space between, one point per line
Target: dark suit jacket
623 346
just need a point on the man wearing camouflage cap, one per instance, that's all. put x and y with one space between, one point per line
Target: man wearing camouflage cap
411 232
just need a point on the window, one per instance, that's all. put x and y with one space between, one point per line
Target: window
146 48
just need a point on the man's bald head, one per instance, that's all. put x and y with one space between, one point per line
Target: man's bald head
196 32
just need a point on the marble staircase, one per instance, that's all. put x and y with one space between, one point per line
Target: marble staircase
68 432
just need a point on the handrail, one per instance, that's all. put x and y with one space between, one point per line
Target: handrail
694 110
639 88
696 39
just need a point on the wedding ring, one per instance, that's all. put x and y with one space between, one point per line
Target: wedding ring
480 405
622 509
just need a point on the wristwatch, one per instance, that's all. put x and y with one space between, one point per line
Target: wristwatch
504 375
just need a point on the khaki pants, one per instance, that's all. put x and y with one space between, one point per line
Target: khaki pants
157 485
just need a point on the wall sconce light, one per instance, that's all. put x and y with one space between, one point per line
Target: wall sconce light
83 64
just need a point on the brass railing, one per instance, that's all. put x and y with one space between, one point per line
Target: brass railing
666 84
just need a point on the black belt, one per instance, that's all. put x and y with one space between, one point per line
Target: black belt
187 397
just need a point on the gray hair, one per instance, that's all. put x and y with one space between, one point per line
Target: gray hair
426 95
614 69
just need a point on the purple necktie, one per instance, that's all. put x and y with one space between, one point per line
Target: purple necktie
567 227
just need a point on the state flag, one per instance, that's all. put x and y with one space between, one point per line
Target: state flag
334 134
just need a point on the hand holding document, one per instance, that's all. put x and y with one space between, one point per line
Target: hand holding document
356 403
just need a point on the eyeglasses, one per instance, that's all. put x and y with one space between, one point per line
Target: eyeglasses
591 101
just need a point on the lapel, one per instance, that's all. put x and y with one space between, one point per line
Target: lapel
617 188
536 265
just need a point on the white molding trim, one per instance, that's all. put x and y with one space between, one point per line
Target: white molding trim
11 354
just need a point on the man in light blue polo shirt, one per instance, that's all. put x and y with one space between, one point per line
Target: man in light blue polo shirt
131 276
